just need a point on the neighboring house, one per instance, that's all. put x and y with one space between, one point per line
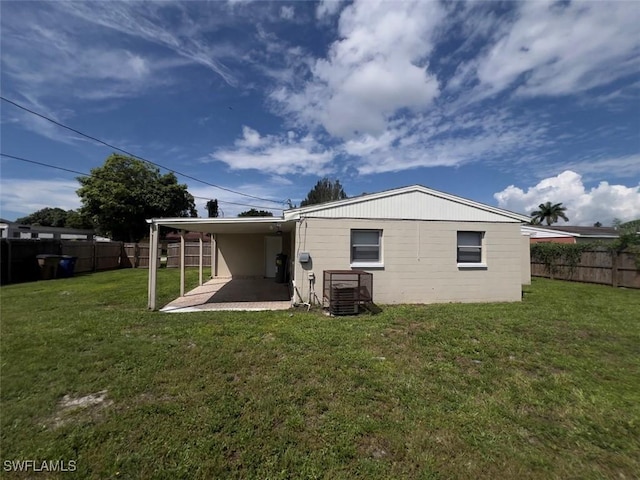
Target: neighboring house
569 234
10 229
421 245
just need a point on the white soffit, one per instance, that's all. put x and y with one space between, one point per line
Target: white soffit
409 203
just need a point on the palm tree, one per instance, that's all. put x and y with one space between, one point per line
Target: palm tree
548 212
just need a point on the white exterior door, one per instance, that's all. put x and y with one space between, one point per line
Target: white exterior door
272 247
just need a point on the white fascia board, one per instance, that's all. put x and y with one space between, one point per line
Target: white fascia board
545 232
213 221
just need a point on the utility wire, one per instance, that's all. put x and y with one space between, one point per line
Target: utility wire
22 159
45 164
22 107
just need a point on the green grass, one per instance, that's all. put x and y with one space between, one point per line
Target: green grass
546 388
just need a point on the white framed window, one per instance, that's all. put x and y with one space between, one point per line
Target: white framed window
366 248
470 251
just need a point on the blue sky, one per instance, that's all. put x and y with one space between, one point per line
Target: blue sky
511 104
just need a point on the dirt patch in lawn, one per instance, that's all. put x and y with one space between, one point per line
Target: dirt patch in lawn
78 409
374 447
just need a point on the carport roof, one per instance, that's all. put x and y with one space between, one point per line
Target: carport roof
264 225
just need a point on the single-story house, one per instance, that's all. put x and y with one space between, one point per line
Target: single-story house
569 234
419 244
11 230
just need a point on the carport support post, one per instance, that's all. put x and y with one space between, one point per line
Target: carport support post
182 263
200 258
213 255
153 264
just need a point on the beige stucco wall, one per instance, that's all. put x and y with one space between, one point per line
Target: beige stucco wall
526 260
242 255
419 260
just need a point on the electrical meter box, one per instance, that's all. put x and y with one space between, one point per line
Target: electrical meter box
304 257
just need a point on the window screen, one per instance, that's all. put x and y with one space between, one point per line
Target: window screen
470 247
365 246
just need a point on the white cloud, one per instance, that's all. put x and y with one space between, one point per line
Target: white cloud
146 21
276 154
45 55
601 203
556 48
40 125
624 166
377 68
287 12
328 8
21 196
439 140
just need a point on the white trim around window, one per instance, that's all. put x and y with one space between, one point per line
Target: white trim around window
470 251
366 249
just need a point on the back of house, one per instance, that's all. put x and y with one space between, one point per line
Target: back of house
421 245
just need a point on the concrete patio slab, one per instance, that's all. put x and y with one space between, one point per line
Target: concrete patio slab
244 294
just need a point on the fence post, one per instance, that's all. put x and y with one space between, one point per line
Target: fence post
9 261
136 254
614 268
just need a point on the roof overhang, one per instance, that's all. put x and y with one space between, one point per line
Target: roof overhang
242 225
541 232
538 232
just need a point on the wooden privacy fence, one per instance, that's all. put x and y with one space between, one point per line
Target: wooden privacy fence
136 255
191 254
93 256
18 257
599 265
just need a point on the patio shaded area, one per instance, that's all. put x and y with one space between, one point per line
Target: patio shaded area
233 294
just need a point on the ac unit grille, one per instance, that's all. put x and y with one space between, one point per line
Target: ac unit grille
345 290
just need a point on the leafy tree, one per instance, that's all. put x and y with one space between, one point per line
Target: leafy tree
212 208
255 213
325 191
57 217
77 219
629 237
46 217
632 226
548 212
121 194
597 224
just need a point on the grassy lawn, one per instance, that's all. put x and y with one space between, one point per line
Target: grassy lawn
546 388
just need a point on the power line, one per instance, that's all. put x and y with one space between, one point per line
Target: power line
84 174
45 164
55 122
241 204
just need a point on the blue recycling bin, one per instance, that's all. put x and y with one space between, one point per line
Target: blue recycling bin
66 266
